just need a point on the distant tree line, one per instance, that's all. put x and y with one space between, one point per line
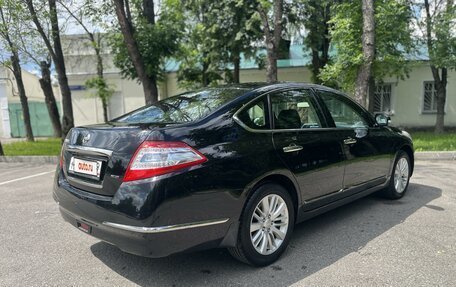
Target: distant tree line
353 45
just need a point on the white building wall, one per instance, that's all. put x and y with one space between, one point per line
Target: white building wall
407 102
5 129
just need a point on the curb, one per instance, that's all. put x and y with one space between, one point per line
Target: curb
435 155
31 159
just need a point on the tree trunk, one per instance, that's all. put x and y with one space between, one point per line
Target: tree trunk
49 98
316 66
59 63
273 35
1 150
441 99
440 120
100 74
149 11
320 54
104 104
22 96
271 66
204 75
237 69
440 79
149 83
368 42
371 95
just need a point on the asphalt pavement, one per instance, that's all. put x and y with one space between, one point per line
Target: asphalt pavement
370 242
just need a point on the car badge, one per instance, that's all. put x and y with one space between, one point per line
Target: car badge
86 138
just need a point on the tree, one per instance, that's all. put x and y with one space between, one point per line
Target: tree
1 150
49 97
393 44
315 18
145 42
199 64
368 47
87 15
9 17
272 29
149 82
102 91
218 32
54 47
35 52
438 22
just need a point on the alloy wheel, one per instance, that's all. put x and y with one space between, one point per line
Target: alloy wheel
401 175
269 224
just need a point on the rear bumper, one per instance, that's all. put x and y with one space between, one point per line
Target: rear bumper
138 236
154 244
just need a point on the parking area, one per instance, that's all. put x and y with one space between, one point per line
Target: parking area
373 241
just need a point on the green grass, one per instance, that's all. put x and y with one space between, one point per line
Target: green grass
39 147
423 141
428 141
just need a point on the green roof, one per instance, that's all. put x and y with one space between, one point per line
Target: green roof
299 57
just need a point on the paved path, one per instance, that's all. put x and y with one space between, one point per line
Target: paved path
410 242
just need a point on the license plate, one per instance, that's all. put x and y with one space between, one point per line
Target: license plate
86 167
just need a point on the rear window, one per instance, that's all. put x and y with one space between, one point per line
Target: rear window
183 108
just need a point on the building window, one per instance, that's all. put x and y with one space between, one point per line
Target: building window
382 98
430 98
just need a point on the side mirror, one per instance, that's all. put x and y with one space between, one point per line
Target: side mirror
382 119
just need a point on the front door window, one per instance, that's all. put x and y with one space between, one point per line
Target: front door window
343 114
294 110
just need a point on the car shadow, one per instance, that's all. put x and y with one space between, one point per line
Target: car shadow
316 244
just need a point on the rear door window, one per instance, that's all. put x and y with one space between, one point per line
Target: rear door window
255 115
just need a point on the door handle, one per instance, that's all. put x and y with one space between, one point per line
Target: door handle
292 148
349 141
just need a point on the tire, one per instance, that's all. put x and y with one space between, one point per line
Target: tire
400 177
271 237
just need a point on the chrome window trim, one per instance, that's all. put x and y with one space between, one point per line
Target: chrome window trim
88 150
160 229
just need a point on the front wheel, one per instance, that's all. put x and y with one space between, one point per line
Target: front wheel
400 177
265 226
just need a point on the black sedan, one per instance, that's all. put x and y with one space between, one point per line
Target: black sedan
235 166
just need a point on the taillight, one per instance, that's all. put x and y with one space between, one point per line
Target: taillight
154 158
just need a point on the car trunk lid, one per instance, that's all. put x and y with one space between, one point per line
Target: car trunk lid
96 157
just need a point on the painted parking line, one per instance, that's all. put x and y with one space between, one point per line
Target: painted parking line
26 177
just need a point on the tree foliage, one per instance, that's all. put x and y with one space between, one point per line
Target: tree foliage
393 42
156 42
217 33
314 16
437 20
101 90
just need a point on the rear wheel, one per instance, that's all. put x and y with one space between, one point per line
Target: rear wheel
400 177
265 226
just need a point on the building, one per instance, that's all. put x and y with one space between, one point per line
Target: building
11 120
410 102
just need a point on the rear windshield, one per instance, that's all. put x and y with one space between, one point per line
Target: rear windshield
183 108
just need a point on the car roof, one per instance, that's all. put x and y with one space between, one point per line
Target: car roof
253 89
262 87
283 85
